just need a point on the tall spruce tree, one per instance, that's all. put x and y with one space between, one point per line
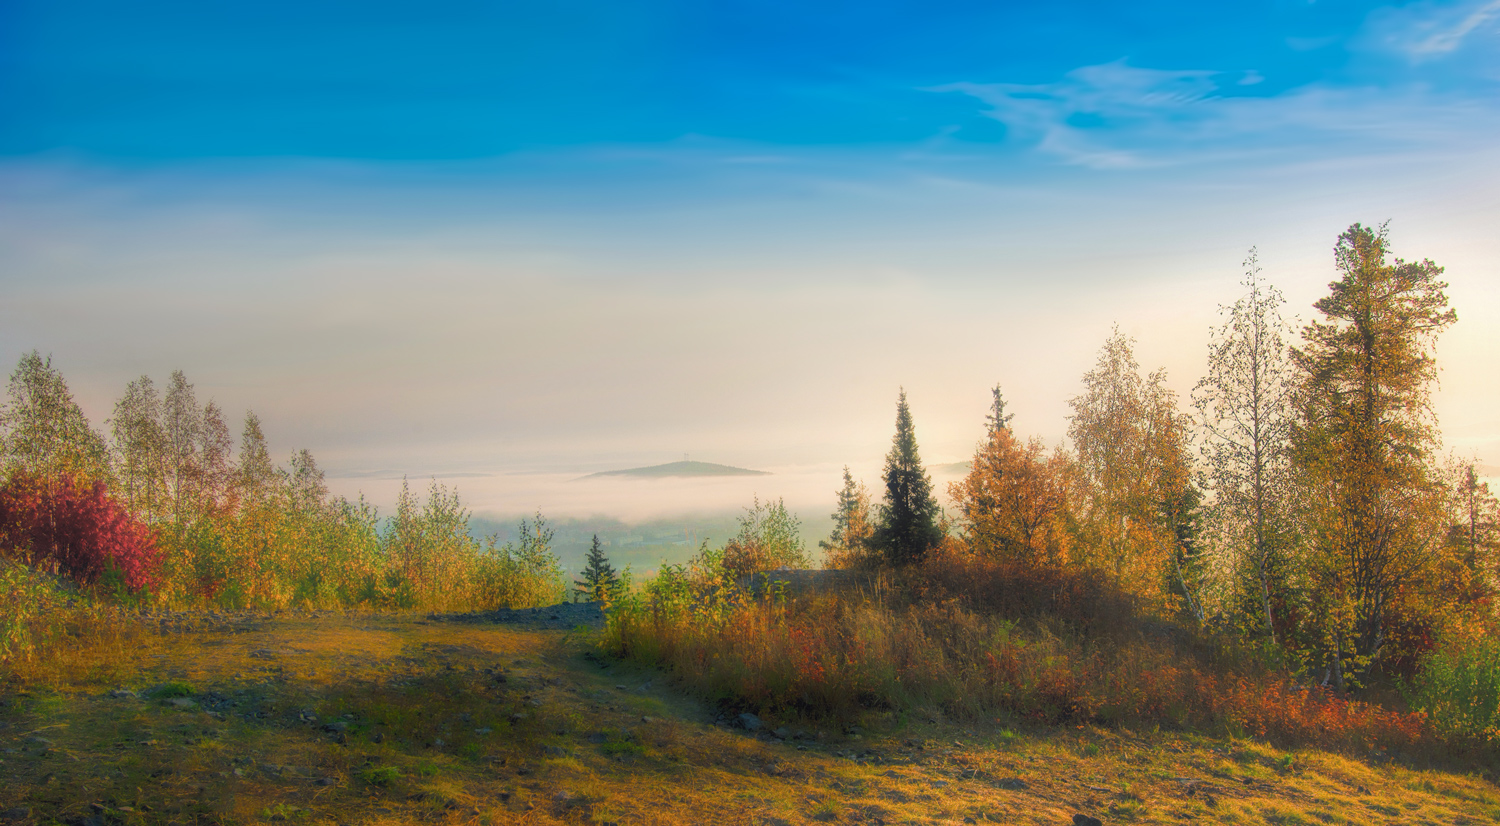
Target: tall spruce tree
599 577
1365 441
997 419
848 545
908 525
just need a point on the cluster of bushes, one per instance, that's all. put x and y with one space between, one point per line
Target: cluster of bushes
974 639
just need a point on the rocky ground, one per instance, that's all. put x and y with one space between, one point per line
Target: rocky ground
513 717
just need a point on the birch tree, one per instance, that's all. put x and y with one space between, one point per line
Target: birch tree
138 446
1245 412
1131 469
42 429
182 431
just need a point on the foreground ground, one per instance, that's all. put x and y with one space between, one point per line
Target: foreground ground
373 719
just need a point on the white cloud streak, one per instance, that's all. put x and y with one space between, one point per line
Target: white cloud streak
1427 32
1118 116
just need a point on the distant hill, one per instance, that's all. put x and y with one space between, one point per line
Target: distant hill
680 469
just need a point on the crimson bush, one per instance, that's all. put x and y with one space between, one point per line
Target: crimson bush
72 525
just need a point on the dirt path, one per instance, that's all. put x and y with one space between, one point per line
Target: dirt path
376 719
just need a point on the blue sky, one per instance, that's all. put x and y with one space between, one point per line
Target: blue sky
468 237
157 82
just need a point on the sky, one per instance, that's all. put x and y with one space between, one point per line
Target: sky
509 244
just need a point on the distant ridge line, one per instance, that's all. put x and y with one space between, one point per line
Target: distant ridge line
680 469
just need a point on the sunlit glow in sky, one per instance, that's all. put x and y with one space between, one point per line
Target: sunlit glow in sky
509 244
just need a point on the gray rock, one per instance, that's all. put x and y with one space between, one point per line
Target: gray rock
749 722
1085 820
123 694
1011 783
182 702
783 732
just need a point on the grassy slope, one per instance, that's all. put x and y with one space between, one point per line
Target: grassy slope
594 742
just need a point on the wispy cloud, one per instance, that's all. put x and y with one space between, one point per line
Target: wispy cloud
1066 118
1427 31
1118 116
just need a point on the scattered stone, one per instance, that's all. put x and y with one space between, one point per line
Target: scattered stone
39 741
645 719
1085 820
620 687
749 722
327 781
517 717
438 743
484 731
938 784
783 732
123 694
1011 783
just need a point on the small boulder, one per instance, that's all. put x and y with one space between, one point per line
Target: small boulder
1085 820
749 722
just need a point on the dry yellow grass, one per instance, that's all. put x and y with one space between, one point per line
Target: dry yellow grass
260 734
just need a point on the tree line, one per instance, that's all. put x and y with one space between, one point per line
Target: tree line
1301 503
163 509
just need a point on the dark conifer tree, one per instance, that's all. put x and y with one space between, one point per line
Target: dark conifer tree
908 526
599 577
997 419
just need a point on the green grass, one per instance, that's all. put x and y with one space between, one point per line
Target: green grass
244 754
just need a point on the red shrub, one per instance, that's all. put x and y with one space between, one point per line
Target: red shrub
73 526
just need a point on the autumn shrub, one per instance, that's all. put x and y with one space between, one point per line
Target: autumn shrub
71 525
975 656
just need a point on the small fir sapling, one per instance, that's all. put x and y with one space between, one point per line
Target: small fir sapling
600 580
